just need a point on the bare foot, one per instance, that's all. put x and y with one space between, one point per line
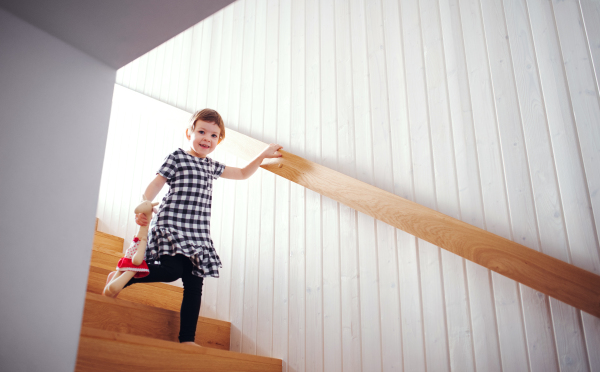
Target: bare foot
191 343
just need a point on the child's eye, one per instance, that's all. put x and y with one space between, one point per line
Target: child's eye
214 136
201 132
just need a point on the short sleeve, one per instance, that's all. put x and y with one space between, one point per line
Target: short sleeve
169 166
217 169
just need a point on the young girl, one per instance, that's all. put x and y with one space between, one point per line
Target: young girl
179 242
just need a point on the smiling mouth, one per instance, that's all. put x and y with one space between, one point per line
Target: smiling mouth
204 146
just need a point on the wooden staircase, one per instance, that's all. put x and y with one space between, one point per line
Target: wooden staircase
138 330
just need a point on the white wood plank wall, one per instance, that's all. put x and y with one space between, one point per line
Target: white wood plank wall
486 110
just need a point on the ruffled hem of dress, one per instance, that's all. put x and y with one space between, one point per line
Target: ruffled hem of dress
178 244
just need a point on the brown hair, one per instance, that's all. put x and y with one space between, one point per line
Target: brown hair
209 116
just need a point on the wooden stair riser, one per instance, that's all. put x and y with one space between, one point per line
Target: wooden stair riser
121 316
109 351
106 259
107 241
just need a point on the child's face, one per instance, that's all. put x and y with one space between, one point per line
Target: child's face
204 139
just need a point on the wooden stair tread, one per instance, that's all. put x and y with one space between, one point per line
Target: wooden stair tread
101 350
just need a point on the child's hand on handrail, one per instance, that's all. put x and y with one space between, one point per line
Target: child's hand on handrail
271 151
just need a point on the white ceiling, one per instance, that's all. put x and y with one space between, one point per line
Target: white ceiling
114 31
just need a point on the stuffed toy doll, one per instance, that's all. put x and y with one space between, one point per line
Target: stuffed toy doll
133 264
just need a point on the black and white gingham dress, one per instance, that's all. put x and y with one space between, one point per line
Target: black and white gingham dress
182 224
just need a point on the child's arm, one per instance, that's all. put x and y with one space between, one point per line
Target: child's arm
154 187
234 173
151 191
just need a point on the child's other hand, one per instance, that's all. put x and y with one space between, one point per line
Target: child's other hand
271 151
141 219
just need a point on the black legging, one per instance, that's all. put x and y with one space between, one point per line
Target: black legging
171 269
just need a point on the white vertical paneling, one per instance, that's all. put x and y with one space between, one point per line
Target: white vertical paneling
120 212
214 77
485 332
583 90
586 106
132 184
184 72
331 289
481 109
265 268
297 320
570 175
552 234
460 293
150 70
281 270
383 178
194 74
238 261
428 257
251 118
116 140
175 69
165 74
411 344
590 11
232 117
226 51
142 72
350 280
444 189
158 71
130 73
297 273
264 342
314 258
227 225
367 244
242 115
510 305
453 269
226 248
206 48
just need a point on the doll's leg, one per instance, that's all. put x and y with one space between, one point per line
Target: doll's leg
110 277
140 254
118 282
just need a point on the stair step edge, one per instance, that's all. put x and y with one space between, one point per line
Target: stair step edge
145 341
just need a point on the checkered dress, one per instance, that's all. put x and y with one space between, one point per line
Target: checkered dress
182 224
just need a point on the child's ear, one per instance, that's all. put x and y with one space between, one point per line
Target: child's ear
187 133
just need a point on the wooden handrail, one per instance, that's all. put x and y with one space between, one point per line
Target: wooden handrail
565 282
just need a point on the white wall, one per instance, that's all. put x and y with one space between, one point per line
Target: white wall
54 111
485 110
